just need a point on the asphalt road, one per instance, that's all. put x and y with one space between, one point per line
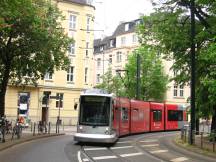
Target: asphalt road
151 147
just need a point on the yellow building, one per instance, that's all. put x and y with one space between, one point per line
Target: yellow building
30 103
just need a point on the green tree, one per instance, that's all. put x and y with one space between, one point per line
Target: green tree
112 84
153 84
32 42
168 30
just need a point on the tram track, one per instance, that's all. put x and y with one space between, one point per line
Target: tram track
135 144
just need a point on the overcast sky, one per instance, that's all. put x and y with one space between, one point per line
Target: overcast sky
109 13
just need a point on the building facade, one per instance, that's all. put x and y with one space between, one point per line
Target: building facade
113 51
35 103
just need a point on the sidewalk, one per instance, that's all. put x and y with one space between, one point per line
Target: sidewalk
27 135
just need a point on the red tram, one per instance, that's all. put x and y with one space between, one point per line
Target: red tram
104 117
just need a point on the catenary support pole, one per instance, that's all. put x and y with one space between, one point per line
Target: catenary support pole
193 75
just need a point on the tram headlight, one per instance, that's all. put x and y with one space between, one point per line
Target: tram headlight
107 131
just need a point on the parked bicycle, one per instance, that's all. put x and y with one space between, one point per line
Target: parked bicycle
17 130
2 128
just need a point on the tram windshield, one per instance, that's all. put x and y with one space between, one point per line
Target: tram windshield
94 110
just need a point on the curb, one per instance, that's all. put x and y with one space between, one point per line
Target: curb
6 145
194 149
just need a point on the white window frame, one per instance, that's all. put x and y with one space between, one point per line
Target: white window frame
48 76
175 90
72 22
98 78
58 100
98 62
88 20
118 56
70 74
134 38
123 40
87 47
86 75
127 27
181 90
71 49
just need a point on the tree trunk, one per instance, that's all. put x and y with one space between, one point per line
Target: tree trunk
3 88
213 124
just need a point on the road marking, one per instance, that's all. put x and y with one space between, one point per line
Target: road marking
124 142
179 159
92 149
158 151
79 156
153 145
132 154
149 141
122 147
101 158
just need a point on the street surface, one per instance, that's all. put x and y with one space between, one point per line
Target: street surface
149 147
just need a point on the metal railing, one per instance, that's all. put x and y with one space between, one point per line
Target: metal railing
203 140
17 131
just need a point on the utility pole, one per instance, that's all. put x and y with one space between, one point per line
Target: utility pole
138 78
193 75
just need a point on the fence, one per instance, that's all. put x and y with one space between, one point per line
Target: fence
13 131
203 140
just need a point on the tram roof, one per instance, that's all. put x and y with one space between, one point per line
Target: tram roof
96 92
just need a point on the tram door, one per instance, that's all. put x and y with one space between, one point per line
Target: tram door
116 118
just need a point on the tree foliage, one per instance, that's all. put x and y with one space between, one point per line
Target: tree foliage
168 29
153 83
32 42
112 84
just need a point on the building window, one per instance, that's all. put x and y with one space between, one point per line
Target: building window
101 48
126 27
178 90
111 43
98 78
48 76
118 57
87 47
71 49
59 100
88 23
123 40
181 90
72 22
175 91
134 39
98 63
70 74
86 75
110 59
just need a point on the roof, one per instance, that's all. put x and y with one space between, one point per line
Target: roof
81 2
120 30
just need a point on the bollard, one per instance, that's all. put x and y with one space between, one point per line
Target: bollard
31 126
56 127
63 126
214 136
49 128
182 134
34 129
3 134
201 140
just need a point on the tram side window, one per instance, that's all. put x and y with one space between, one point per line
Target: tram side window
124 114
157 115
175 115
